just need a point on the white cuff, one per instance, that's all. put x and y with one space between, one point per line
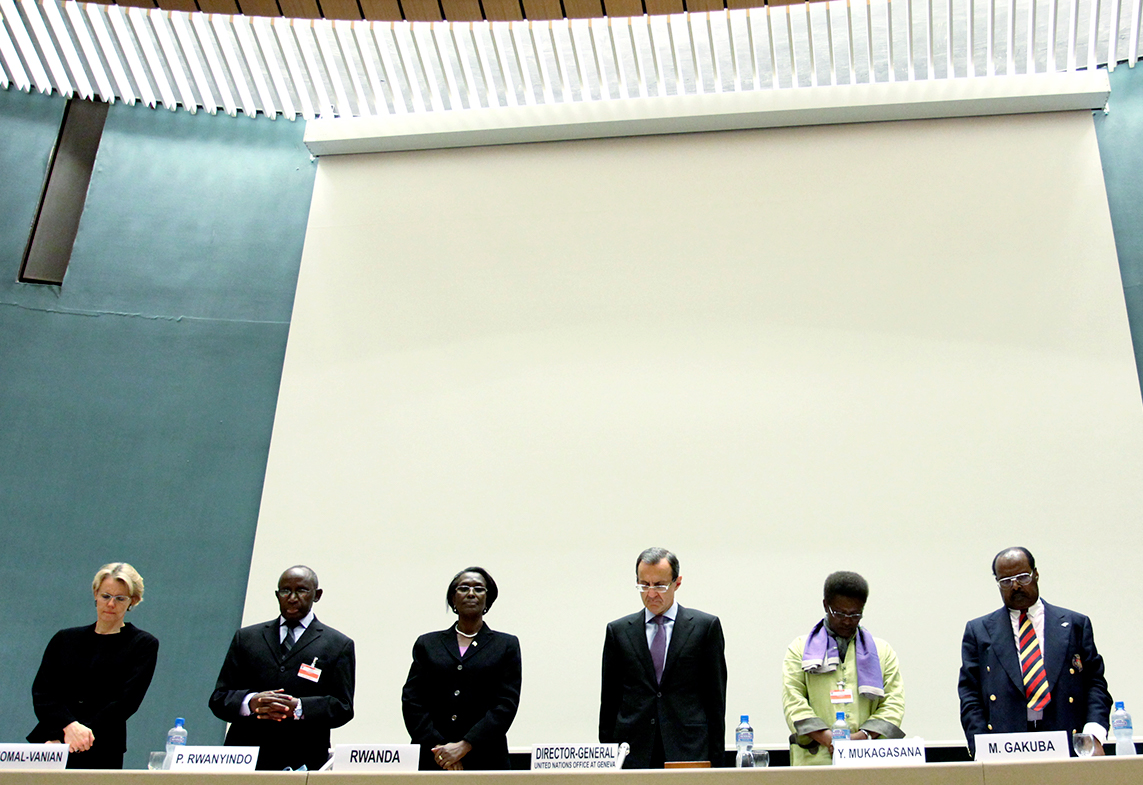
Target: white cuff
1097 730
244 709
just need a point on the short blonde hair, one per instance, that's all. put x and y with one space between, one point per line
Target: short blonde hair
121 571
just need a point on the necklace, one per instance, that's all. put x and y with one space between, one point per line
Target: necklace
465 634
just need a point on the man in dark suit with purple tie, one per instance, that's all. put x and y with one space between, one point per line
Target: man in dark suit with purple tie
1052 681
664 674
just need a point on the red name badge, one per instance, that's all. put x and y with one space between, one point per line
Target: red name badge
309 672
841 696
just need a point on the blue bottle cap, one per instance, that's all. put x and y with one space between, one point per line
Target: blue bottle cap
179 722
745 718
841 715
1118 705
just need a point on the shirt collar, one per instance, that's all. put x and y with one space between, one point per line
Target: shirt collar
303 625
669 614
1035 611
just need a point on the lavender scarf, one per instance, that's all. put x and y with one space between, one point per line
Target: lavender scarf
820 656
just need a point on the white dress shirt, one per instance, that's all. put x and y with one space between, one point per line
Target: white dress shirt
668 624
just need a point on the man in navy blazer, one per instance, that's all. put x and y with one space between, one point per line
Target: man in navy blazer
287 681
664 674
992 691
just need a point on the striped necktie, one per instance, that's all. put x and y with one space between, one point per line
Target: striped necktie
1032 664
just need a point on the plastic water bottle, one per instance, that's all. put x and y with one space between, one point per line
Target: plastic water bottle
1121 727
744 744
176 737
840 728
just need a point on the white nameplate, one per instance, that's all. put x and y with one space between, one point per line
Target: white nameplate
214 759
879 752
33 756
377 757
1043 745
575 757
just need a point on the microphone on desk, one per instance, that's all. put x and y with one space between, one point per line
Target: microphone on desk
624 748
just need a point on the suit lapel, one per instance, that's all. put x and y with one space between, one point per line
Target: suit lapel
271 634
684 626
1055 645
1004 645
637 638
312 634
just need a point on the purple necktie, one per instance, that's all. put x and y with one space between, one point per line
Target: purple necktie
659 646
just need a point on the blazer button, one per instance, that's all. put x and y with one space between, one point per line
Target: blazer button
652 720
1072 671
658 694
992 697
460 667
988 668
1071 699
456 693
282 669
990 726
454 718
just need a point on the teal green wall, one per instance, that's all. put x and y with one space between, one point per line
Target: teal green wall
137 400
1120 134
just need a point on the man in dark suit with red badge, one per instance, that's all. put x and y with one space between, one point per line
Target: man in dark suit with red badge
664 675
1053 680
285 683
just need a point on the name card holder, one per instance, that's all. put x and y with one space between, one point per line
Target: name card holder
376 757
214 759
33 756
1042 745
879 752
576 757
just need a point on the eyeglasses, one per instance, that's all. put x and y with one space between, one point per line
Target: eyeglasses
839 615
646 587
301 594
1022 579
477 590
116 598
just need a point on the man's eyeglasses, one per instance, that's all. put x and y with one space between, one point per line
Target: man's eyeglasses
1023 579
840 615
477 590
301 594
657 587
117 598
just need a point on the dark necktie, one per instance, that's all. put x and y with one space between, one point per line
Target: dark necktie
1032 664
291 637
659 646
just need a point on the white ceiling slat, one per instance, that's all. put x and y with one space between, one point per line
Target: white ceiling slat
562 71
404 33
490 65
471 86
604 84
268 46
12 64
433 31
95 15
302 30
224 37
24 43
287 44
511 30
127 47
346 49
322 31
190 52
392 74
209 44
160 22
656 55
640 67
1133 44
1073 35
1093 34
253 57
545 75
155 65
47 48
1113 36
775 84
366 49
64 40
398 32
90 51
1031 43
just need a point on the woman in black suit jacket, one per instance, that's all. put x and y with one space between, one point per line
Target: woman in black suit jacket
93 678
464 684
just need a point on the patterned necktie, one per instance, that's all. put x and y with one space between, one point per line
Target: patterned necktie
291 637
1032 664
659 646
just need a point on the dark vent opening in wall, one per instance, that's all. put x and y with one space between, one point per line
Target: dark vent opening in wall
65 191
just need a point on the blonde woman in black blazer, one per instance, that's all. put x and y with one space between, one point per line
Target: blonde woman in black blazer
463 687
